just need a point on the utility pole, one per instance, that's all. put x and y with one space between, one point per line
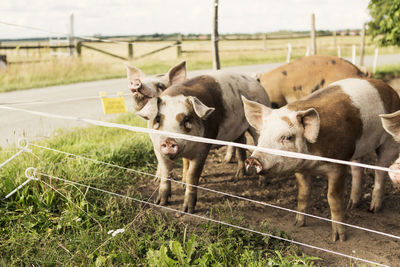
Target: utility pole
214 38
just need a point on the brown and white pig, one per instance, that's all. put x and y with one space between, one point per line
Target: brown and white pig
145 87
207 106
301 77
340 121
391 123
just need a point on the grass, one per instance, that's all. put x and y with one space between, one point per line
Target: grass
42 226
95 66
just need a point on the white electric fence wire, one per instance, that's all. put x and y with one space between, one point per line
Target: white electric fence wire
77 36
214 220
41 102
223 193
204 140
24 148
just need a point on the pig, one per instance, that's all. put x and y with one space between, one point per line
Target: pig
145 87
207 106
391 123
301 77
340 121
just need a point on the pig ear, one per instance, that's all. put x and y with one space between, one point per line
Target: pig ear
391 123
254 113
177 74
134 73
201 110
310 121
150 110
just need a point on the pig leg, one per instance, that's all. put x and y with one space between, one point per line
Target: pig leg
192 178
241 158
304 183
387 153
164 169
185 167
336 188
230 151
357 175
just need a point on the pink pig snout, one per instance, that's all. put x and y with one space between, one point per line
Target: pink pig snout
253 164
169 147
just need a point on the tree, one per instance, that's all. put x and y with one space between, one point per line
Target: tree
385 23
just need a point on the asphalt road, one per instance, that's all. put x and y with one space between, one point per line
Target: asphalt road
16 124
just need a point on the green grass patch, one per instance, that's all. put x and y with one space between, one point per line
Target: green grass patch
63 224
388 72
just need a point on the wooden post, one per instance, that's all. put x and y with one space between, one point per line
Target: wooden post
3 62
71 34
130 51
214 38
362 46
79 48
313 39
353 54
179 46
289 52
375 61
338 51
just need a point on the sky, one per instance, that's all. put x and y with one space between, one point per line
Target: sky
134 17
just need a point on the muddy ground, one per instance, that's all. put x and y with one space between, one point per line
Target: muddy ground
283 192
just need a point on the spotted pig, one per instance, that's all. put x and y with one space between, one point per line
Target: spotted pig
340 121
301 77
207 106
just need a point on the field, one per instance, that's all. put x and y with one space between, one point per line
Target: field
93 65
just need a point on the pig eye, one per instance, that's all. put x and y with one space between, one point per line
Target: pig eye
186 123
287 138
156 122
160 86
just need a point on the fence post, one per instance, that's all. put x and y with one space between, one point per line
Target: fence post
179 46
130 51
289 52
313 39
79 48
375 60
362 48
214 38
71 34
338 51
3 62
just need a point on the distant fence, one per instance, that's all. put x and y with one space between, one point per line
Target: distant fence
175 42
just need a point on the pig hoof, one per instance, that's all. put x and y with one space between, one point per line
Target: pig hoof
375 206
188 209
300 220
163 201
341 236
351 205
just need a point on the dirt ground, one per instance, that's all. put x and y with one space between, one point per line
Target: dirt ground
283 192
